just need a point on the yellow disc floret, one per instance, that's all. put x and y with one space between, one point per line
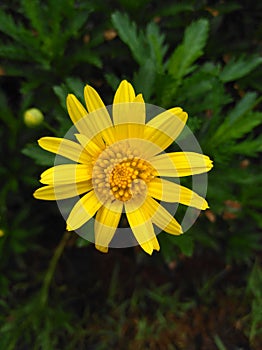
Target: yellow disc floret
124 178
121 173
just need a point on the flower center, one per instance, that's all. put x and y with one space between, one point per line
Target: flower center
120 173
129 177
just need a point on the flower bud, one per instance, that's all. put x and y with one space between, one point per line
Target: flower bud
33 117
2 233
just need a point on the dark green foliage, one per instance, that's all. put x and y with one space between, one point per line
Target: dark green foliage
254 287
56 290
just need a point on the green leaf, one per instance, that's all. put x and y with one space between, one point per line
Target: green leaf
239 67
174 8
75 86
130 35
242 107
240 120
87 56
34 12
13 52
255 287
81 242
145 85
240 247
185 243
220 345
238 129
180 63
157 47
40 156
72 85
249 148
61 92
76 22
16 31
144 46
112 80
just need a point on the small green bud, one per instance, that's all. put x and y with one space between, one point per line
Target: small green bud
33 117
2 233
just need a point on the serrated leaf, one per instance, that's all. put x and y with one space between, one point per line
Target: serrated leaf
156 44
34 12
8 25
204 91
242 107
190 50
130 35
239 67
77 22
249 148
145 46
239 122
238 129
16 31
13 52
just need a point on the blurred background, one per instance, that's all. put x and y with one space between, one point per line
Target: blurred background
203 290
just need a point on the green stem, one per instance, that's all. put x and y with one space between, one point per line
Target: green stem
49 127
52 266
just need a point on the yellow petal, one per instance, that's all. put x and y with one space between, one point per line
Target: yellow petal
92 99
124 93
63 191
65 148
165 127
101 248
106 222
75 109
139 98
171 192
77 113
137 111
128 108
99 117
81 119
129 131
181 164
66 174
161 217
142 228
90 146
153 242
83 211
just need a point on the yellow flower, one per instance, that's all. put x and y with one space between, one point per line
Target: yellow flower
120 167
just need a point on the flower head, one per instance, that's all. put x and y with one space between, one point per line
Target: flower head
120 167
